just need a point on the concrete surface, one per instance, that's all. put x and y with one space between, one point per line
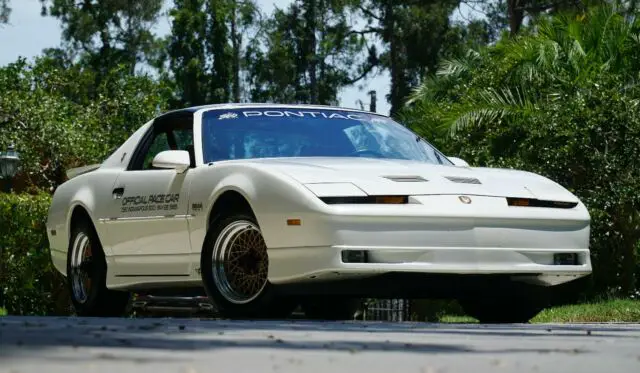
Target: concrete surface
50 345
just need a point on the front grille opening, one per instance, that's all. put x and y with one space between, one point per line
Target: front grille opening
386 200
529 202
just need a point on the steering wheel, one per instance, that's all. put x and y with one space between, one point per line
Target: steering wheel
366 151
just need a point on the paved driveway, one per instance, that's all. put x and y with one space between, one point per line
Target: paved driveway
51 345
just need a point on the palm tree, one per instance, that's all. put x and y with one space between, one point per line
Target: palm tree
562 55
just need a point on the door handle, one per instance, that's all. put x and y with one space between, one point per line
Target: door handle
118 192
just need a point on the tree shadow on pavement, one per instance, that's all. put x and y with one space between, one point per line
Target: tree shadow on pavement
503 330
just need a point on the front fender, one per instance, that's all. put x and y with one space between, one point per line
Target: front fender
273 197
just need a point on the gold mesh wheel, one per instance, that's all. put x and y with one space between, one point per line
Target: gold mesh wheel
240 262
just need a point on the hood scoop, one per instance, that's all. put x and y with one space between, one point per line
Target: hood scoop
406 179
463 180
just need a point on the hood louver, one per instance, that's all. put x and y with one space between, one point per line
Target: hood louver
463 180
406 179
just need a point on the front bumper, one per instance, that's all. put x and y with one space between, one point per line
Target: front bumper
437 236
319 264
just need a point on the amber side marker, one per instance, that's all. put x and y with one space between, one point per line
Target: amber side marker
528 202
294 222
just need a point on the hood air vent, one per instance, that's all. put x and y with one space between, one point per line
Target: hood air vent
463 180
406 179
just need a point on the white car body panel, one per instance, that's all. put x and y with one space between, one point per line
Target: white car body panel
434 233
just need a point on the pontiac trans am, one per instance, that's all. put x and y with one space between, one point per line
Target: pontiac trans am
265 208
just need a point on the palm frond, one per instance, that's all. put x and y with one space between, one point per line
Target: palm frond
493 105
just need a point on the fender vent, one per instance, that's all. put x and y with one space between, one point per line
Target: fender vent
406 179
463 180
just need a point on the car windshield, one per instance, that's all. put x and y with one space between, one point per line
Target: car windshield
293 132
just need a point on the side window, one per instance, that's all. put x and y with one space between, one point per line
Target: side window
174 134
184 138
158 145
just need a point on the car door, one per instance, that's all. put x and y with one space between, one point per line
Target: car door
148 227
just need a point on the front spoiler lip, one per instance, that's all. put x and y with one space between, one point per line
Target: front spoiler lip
397 285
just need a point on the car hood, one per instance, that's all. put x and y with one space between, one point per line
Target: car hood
403 177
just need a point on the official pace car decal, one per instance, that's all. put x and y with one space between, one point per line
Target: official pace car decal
288 114
152 202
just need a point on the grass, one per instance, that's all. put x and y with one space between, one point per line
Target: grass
457 319
3 312
617 310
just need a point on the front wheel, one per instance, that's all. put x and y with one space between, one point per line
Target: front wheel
497 307
235 266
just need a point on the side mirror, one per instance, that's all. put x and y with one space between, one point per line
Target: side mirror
172 159
458 162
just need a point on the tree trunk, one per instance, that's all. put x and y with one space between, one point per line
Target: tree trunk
515 12
221 78
311 16
236 41
396 65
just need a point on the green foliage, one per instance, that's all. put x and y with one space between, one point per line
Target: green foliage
107 33
28 281
561 102
186 51
414 35
306 53
44 110
205 47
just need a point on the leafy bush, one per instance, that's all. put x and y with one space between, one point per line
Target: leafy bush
58 120
29 283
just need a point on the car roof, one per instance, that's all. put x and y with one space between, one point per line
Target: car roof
231 106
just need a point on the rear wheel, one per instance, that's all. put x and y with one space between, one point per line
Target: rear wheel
235 267
87 274
497 307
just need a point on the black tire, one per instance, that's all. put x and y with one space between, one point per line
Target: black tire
509 307
221 283
91 298
330 308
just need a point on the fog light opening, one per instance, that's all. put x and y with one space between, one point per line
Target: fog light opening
355 256
566 259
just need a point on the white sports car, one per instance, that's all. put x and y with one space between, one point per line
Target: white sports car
268 207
